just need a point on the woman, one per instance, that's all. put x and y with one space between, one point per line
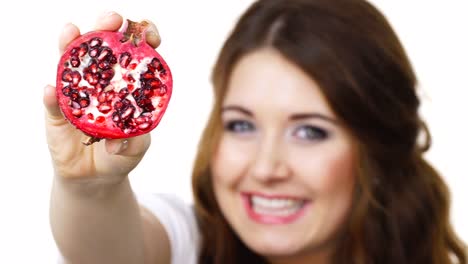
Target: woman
311 155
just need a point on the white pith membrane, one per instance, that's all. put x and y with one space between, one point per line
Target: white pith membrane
117 83
276 206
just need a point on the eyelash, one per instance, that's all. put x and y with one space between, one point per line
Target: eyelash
310 133
239 126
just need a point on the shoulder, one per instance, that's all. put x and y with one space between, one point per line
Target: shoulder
179 221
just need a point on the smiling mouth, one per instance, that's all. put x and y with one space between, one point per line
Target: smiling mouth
274 210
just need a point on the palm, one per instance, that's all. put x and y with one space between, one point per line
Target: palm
74 159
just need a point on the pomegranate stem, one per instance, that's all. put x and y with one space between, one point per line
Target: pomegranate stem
134 32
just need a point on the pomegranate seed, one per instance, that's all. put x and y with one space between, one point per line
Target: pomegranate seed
75 105
147 75
103 83
143 126
84 102
130 79
118 105
83 50
100 119
75 62
149 108
95 42
107 74
67 90
104 65
113 60
77 112
130 87
155 83
94 52
101 98
137 94
132 66
156 63
162 90
126 114
104 108
144 101
123 93
125 59
148 92
104 52
90 116
74 95
92 78
76 78
140 120
110 95
151 68
115 117
93 66
67 76
74 51
91 91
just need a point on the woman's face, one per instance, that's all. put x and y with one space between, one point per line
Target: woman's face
284 171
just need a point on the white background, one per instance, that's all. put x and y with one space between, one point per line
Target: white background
433 32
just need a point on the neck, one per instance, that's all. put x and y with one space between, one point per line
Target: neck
319 257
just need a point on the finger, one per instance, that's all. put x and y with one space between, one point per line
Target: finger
50 102
152 35
68 34
110 21
129 147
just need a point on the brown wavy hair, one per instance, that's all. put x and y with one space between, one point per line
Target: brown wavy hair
401 206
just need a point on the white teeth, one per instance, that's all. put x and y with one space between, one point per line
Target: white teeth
282 212
280 207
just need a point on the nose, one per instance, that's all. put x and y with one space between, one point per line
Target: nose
270 161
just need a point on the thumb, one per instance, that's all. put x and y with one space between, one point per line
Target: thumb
50 102
129 147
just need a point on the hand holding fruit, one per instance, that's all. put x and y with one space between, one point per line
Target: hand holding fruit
107 89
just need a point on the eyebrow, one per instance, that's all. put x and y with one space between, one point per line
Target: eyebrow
294 117
323 117
236 108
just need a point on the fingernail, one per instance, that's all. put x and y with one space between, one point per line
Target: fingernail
153 37
67 26
47 90
150 34
122 146
110 13
107 14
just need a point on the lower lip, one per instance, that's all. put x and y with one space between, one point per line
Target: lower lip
272 219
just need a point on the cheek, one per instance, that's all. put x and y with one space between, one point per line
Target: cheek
331 177
329 169
338 174
229 160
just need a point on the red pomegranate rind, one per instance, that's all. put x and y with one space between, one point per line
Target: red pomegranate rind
113 84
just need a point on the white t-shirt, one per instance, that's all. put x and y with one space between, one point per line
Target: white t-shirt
178 219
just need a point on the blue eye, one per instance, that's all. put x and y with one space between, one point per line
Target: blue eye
311 133
239 126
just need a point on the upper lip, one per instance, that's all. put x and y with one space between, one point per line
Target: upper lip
273 196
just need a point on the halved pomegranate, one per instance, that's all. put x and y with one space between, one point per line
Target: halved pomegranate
113 84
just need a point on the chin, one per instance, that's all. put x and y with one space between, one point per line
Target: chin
269 247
